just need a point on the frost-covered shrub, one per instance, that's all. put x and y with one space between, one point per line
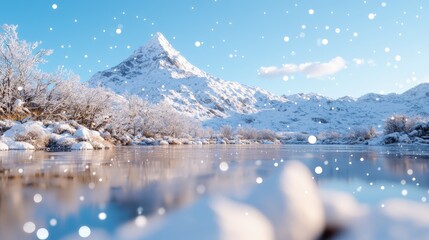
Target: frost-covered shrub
300 137
266 134
400 123
226 131
63 128
330 135
363 133
247 132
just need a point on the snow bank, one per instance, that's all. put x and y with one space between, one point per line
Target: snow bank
59 136
26 131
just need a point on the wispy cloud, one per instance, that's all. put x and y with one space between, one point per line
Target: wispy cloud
310 69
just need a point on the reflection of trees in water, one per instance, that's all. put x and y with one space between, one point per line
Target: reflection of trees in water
401 164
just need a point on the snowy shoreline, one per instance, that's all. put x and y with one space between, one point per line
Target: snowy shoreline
66 136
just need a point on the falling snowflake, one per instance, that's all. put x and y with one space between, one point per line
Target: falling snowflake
286 38
325 41
42 233
312 139
29 227
84 231
37 198
197 44
318 170
54 6
398 58
223 166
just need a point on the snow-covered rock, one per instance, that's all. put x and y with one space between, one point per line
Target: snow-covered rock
82 146
13 145
82 134
66 141
3 146
26 131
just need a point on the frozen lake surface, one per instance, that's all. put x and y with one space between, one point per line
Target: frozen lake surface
63 191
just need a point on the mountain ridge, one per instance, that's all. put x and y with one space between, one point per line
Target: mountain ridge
158 73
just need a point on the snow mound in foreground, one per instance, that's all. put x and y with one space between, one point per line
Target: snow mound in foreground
292 194
286 206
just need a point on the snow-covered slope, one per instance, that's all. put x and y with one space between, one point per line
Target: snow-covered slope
157 72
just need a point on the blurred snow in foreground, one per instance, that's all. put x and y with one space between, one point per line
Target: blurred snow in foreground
288 205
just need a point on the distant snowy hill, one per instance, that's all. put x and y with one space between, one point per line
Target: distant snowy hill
158 73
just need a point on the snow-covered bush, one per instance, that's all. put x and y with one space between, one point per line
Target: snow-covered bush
400 123
330 135
363 133
226 131
266 134
63 128
253 133
247 132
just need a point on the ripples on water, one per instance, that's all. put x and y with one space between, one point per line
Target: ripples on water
63 191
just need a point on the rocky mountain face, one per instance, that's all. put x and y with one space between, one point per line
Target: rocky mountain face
157 72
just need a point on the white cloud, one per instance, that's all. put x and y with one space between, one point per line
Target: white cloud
310 69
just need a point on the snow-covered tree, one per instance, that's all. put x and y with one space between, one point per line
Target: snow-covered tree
21 81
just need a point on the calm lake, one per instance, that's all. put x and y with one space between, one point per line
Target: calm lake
63 191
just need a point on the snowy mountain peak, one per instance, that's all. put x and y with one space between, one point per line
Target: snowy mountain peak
159 73
158 44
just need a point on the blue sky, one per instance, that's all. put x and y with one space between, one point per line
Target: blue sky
331 47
